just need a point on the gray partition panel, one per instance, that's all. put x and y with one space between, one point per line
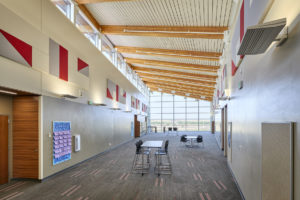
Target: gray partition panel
277 161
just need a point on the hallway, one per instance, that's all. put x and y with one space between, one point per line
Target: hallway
198 173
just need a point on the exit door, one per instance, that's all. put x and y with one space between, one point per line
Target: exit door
3 149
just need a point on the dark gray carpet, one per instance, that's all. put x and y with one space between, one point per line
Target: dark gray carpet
198 173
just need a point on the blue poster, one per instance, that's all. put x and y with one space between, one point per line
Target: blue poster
62 142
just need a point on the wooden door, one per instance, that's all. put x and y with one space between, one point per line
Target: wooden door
137 131
3 149
25 137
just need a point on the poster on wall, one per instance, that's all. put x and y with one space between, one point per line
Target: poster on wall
58 60
133 102
122 97
83 67
15 49
112 91
144 107
137 104
62 142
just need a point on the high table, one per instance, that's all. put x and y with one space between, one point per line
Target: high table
191 138
152 144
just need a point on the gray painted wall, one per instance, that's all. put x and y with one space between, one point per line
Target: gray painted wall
271 93
99 127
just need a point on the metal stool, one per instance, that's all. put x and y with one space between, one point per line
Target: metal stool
160 166
139 164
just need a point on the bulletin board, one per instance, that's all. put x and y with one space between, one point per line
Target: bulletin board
62 142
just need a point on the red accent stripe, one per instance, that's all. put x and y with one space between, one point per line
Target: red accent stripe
63 63
201 196
225 188
117 93
242 21
233 68
217 185
23 48
108 94
242 24
161 182
81 64
156 182
207 196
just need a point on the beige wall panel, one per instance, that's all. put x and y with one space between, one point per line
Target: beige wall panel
17 76
277 154
40 60
27 10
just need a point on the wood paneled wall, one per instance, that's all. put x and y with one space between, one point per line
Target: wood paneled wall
3 149
25 137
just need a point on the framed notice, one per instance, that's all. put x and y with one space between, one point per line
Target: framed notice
62 142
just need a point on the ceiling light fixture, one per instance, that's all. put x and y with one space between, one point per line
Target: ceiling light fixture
69 96
115 108
100 104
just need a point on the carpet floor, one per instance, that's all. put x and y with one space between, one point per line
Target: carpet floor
199 173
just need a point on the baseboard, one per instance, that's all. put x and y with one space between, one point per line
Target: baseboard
75 165
236 183
25 179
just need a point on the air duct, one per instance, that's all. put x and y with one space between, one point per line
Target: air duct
258 38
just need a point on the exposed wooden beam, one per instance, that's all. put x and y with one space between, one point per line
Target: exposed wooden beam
127 49
172 78
175 75
174 65
166 31
195 92
183 94
98 1
183 89
85 28
205 77
182 86
176 83
197 55
89 15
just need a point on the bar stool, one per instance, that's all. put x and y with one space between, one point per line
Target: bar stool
163 167
139 165
200 139
183 138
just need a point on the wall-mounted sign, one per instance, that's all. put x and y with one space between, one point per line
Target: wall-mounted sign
62 142
15 49
83 67
114 92
58 60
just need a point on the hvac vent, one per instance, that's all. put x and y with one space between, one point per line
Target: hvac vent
259 37
69 96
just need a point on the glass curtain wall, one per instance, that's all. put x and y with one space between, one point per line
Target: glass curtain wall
187 114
